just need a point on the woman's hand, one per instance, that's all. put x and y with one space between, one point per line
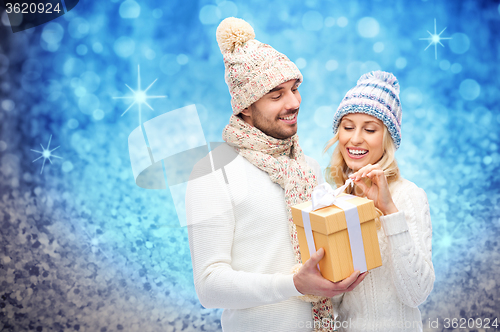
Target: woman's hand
378 192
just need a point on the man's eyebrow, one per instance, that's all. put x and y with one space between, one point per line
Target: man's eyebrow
278 88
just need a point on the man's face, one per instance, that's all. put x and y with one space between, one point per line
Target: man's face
275 114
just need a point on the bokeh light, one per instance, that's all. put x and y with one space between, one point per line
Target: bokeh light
444 64
469 89
331 65
401 63
312 21
342 21
459 43
368 27
124 47
378 47
130 9
210 14
329 22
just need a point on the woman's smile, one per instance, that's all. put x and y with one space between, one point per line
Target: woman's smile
356 153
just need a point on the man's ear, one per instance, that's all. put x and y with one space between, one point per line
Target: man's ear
246 112
246 115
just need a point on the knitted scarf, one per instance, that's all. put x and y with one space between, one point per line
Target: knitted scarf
285 163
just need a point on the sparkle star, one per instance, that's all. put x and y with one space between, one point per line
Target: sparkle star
94 244
448 240
46 154
435 39
139 97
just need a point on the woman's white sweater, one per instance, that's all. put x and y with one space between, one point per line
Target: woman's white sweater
387 299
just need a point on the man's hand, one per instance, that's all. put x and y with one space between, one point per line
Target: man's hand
309 280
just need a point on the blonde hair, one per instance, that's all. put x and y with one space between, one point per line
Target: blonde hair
338 172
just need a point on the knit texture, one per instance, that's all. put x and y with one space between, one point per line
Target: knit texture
284 161
252 68
388 298
241 249
376 94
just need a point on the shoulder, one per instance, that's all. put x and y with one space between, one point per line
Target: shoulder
207 162
223 172
208 169
403 185
406 191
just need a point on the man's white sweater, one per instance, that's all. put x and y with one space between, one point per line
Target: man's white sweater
241 250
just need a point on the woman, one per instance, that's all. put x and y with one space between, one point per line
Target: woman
367 128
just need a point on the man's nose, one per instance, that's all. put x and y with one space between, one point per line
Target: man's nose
292 101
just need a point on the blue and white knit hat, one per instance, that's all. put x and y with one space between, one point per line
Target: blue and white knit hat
376 94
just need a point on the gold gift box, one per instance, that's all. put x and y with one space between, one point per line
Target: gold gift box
329 228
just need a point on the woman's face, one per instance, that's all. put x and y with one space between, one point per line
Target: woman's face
361 138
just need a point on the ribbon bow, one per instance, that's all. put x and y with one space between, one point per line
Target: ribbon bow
323 195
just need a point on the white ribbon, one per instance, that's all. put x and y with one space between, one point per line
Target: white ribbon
308 230
323 196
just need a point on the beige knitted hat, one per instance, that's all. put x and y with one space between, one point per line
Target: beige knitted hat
252 68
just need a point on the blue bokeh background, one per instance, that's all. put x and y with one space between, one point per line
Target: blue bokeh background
83 248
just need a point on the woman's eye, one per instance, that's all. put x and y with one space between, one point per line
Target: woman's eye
348 128
370 130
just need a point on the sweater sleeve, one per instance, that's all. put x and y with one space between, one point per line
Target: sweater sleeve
211 223
409 234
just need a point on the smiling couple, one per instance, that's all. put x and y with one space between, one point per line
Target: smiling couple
243 242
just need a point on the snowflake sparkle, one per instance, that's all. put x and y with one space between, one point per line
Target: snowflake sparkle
94 244
46 154
139 97
435 39
445 242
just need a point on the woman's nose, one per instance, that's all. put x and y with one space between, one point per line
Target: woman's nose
357 137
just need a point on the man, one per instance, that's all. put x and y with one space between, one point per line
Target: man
242 238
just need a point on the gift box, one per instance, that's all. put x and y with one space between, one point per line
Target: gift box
346 231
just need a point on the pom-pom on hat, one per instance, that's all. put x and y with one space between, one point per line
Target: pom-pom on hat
376 94
252 68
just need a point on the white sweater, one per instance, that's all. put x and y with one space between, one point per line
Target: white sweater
241 249
387 299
